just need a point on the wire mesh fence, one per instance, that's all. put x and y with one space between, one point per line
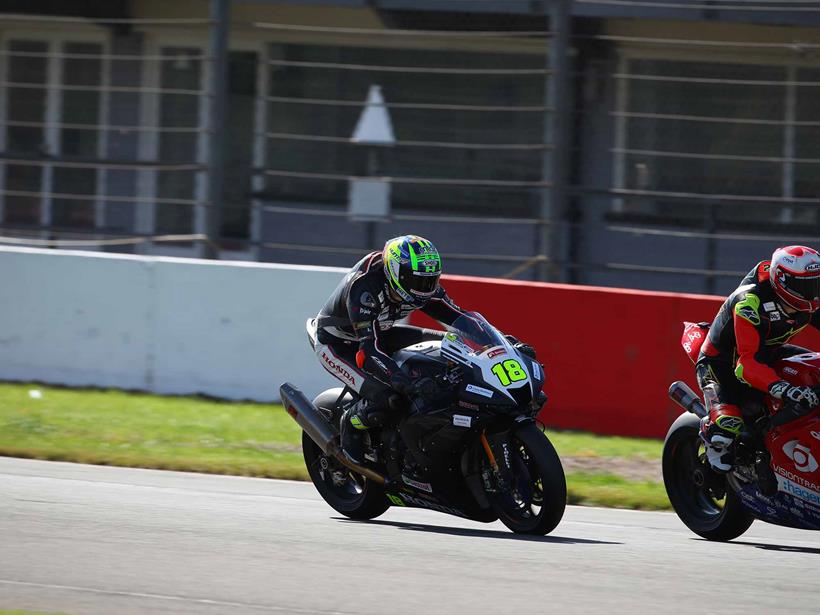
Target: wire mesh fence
549 146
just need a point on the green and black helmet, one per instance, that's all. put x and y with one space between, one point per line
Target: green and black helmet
412 266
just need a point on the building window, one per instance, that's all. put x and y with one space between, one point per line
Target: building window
178 109
54 106
291 87
27 72
182 119
716 129
80 106
241 122
807 134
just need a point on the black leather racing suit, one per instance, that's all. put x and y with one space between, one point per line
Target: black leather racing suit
358 325
750 332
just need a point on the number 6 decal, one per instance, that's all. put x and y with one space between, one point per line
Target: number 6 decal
509 371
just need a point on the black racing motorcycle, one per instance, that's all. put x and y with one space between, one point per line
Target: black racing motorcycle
475 436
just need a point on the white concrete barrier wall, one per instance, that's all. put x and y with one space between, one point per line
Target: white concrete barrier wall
167 325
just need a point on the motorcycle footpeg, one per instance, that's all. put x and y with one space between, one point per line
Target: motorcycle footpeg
393 484
766 479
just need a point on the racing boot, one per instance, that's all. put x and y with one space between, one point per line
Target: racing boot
352 427
718 431
766 479
356 420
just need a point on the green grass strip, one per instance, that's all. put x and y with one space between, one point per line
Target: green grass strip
248 439
615 492
125 429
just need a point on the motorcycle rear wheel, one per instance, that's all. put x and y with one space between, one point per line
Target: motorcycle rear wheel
345 491
538 499
349 493
695 503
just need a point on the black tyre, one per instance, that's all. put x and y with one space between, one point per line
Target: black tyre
692 487
347 492
538 496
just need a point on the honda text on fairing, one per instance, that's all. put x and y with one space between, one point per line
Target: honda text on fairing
477 435
776 472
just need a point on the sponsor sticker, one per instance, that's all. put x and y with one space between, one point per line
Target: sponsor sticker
422 503
367 300
797 478
338 369
471 388
769 306
418 485
801 493
468 405
459 420
774 316
749 313
495 352
801 456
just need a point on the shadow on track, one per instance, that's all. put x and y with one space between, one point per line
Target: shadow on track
458 531
770 547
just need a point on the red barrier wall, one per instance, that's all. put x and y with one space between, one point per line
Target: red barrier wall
610 354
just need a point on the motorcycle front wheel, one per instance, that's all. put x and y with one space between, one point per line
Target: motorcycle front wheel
687 479
535 500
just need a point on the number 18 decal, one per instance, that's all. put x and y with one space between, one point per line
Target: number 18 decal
509 371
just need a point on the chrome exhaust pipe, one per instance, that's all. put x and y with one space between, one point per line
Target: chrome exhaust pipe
686 398
318 429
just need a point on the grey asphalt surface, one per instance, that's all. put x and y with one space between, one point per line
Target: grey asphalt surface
89 539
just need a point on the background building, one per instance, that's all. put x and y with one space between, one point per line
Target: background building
656 145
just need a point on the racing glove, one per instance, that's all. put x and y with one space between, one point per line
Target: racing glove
424 388
520 346
804 396
401 382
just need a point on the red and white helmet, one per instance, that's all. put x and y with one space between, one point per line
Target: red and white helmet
795 275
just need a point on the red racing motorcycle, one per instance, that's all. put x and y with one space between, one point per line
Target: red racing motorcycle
776 473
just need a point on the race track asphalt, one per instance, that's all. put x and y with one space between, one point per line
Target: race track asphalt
88 539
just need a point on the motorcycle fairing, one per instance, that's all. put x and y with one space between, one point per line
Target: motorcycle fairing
781 509
474 342
801 369
449 495
795 452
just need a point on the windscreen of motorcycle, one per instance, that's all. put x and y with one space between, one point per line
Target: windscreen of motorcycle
471 340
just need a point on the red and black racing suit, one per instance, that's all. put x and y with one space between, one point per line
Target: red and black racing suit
358 325
750 332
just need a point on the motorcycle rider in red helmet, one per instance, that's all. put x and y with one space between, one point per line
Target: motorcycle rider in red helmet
774 302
